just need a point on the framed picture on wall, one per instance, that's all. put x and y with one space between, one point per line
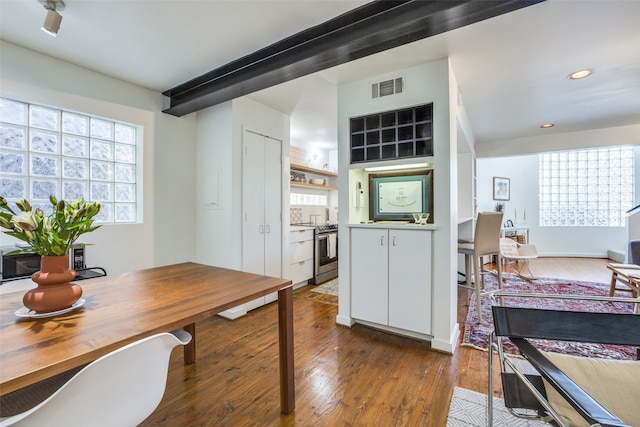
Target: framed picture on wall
396 196
501 188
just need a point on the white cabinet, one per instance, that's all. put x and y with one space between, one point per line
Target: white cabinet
391 278
301 255
261 208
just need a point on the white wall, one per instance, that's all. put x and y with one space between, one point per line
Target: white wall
219 170
550 241
423 84
622 135
166 233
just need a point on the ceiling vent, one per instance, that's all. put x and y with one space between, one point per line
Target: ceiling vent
387 87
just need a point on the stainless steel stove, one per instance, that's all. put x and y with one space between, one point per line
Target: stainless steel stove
325 253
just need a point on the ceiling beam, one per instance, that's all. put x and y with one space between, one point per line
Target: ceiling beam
369 29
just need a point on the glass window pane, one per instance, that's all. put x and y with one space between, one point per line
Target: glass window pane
125 134
75 124
12 188
105 214
44 166
125 173
74 190
74 146
125 153
12 137
102 171
101 150
44 118
12 162
75 169
13 112
125 193
125 212
42 189
102 192
101 129
44 142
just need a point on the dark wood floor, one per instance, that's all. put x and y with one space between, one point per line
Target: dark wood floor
344 376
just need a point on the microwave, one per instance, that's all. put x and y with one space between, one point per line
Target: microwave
18 266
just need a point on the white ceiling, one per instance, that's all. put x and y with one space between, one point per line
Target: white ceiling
512 70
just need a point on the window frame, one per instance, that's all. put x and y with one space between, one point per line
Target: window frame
590 187
122 154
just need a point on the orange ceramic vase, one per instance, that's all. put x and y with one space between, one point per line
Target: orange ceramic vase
54 292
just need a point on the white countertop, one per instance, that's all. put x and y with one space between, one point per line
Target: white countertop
398 226
301 227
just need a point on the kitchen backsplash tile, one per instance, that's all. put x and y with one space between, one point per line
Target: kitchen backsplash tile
296 215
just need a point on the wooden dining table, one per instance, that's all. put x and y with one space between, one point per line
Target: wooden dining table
122 309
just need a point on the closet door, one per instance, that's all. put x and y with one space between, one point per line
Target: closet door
262 205
253 203
273 207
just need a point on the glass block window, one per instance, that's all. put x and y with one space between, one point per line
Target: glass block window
308 199
586 188
46 151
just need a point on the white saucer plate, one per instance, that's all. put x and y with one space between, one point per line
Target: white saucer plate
24 312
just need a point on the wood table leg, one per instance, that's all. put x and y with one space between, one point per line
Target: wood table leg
612 288
285 337
190 348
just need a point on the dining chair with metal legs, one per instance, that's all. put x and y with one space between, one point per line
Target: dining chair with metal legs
486 242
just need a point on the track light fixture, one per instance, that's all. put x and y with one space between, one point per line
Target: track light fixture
53 19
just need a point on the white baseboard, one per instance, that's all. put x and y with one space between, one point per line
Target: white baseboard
234 313
447 346
565 255
344 320
617 255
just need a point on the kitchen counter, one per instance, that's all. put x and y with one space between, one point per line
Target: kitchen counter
295 227
390 226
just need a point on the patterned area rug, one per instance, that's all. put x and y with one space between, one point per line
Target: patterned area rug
330 287
476 334
469 409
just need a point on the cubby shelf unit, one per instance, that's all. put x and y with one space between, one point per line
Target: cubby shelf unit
392 135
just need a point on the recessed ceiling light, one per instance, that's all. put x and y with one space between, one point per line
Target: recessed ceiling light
580 74
546 125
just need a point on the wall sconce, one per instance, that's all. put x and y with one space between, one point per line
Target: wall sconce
53 19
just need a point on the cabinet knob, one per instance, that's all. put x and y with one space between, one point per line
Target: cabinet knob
301 262
381 240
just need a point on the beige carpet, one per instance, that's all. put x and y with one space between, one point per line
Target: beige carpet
330 287
469 409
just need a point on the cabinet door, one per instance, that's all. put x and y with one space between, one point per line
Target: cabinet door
369 270
410 280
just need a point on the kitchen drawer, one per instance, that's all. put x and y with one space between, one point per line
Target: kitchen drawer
301 271
300 251
301 235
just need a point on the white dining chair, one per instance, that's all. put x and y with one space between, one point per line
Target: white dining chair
486 241
121 388
520 254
